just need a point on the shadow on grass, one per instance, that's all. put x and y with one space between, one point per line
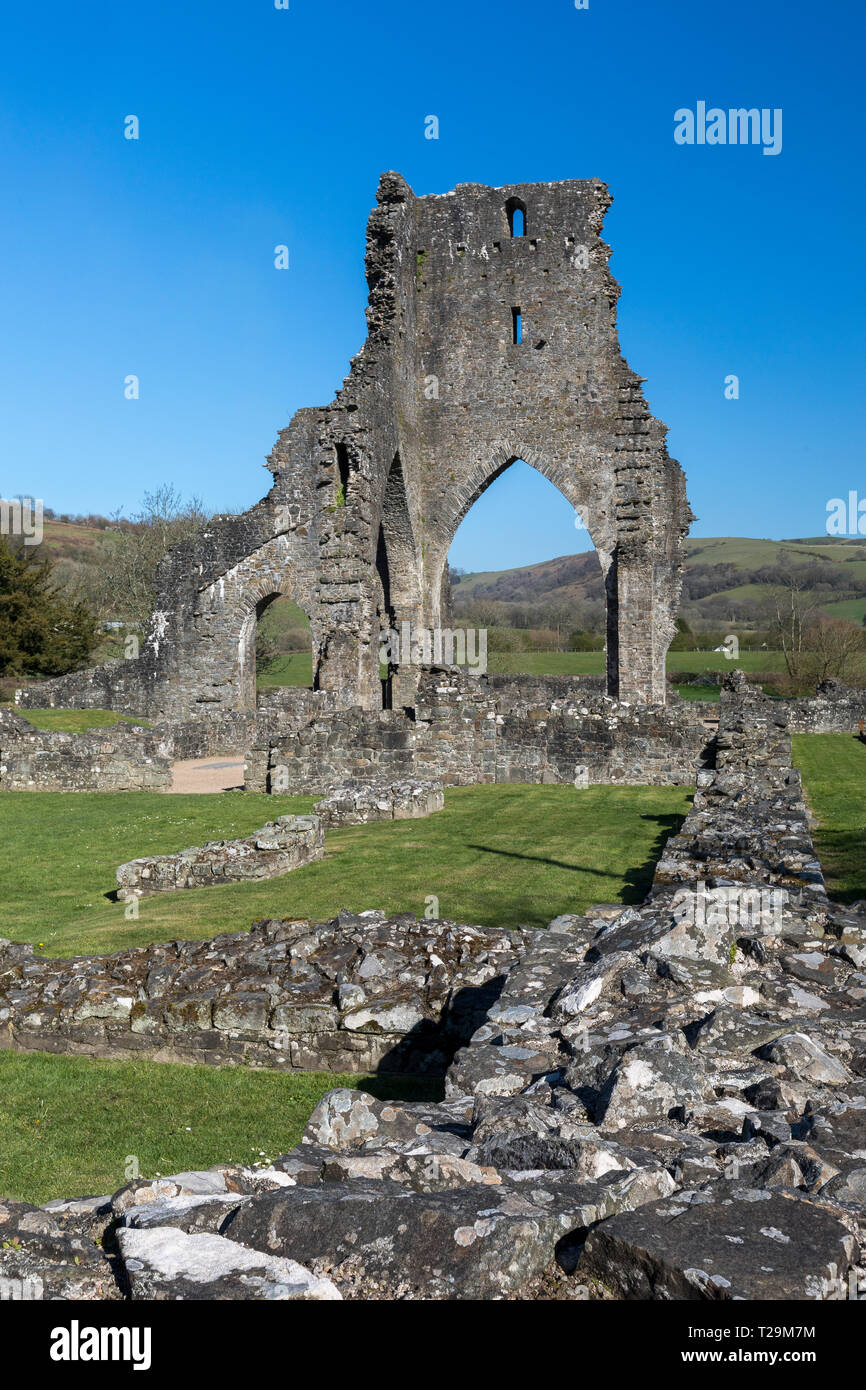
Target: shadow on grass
842 854
638 880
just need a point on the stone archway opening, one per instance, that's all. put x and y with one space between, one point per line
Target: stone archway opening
522 566
280 646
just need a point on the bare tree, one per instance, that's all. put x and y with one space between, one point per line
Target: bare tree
792 610
121 585
835 647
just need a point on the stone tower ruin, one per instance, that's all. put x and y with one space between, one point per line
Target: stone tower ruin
491 337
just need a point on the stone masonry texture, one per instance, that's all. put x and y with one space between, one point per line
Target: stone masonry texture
280 846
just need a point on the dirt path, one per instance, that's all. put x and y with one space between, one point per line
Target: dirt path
208 774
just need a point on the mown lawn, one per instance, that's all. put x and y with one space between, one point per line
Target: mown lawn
709 694
70 1126
833 767
76 721
294 669
497 855
297 668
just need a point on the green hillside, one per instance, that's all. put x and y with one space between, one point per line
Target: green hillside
728 579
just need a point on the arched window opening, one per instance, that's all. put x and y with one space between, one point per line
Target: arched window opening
526 582
342 452
515 211
282 647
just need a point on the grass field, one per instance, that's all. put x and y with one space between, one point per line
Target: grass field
297 668
710 693
70 1125
854 609
77 721
498 855
294 669
501 855
833 768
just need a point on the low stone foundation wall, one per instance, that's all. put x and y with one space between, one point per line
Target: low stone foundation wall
282 845
358 993
835 709
360 802
123 757
114 685
466 731
749 823
463 730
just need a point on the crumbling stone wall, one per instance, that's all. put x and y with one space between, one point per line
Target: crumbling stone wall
120 758
280 846
358 803
369 491
834 709
748 822
359 993
464 732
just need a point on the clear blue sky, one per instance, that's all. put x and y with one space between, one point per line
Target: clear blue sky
261 126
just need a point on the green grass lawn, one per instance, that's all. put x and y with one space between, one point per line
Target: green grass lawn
297 668
498 855
709 693
76 721
502 855
294 669
852 608
69 1125
833 767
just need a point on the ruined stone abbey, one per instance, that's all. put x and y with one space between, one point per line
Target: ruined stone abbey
660 1101
491 337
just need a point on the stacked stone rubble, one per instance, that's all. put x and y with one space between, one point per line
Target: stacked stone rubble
354 994
358 803
466 731
280 846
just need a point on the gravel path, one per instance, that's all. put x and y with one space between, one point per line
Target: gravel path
207 774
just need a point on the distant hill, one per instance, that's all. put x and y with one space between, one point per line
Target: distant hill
722 580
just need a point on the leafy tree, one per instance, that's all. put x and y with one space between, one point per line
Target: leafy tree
42 632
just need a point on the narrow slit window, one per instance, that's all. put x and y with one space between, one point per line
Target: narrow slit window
343 470
516 214
516 326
